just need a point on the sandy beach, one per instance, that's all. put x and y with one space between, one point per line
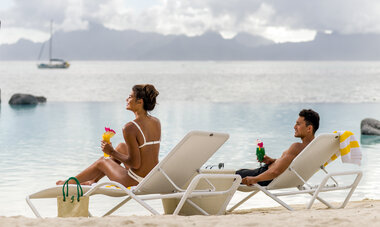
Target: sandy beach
357 213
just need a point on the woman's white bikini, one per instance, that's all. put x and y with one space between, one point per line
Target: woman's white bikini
130 172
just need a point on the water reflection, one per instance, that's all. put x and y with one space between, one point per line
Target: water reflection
23 106
22 109
369 139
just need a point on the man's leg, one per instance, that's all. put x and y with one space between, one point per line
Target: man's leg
254 172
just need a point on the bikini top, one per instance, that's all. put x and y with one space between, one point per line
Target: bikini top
145 143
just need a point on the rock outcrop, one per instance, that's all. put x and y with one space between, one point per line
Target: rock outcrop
26 99
370 126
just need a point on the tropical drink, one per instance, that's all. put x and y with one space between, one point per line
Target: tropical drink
260 151
107 135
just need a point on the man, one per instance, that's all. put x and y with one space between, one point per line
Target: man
306 126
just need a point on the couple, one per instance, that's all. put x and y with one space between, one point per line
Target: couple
139 152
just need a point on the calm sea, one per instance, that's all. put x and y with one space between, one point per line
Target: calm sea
248 100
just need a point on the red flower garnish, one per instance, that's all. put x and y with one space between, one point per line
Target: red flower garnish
110 130
259 143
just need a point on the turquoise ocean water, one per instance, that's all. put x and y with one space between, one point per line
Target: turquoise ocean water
248 100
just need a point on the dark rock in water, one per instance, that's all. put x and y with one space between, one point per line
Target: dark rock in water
26 99
40 99
370 126
23 99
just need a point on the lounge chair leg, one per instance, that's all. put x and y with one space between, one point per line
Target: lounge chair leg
233 188
127 191
324 181
323 201
313 198
354 185
197 207
117 206
33 207
242 201
275 198
316 192
188 191
229 193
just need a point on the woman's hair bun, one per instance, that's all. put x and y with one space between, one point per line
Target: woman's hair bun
151 92
148 93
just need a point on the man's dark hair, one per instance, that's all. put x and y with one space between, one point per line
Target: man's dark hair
311 118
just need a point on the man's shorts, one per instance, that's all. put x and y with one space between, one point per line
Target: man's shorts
254 172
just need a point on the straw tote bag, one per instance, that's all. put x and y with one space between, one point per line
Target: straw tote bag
74 206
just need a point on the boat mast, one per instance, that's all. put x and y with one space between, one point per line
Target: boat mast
51 40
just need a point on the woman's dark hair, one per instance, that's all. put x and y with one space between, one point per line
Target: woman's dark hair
147 93
311 118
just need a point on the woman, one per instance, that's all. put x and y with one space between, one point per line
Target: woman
139 153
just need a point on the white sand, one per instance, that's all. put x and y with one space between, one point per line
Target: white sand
361 213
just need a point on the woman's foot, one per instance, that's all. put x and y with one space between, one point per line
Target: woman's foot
90 182
60 182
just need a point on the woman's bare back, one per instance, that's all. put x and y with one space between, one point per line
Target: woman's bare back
151 128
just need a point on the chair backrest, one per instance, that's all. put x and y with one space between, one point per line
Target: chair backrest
308 162
180 164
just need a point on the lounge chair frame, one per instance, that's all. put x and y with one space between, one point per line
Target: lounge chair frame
301 183
169 182
313 191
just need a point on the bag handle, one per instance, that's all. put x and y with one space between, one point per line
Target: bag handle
67 189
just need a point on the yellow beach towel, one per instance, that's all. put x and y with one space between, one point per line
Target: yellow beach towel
349 149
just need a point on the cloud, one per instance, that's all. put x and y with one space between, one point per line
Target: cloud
293 20
73 17
194 17
344 16
15 34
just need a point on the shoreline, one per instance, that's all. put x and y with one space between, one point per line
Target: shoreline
365 212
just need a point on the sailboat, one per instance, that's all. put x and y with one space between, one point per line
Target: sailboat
54 63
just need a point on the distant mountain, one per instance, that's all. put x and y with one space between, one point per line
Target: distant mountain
252 41
22 50
100 43
325 47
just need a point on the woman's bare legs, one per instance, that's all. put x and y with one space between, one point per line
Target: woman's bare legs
121 148
107 167
91 171
102 167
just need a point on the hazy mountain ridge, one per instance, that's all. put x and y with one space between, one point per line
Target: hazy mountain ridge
100 43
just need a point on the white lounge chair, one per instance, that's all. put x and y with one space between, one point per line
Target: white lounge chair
302 168
167 178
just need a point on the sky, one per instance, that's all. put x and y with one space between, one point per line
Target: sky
277 20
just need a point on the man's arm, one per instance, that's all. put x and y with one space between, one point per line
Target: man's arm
268 160
277 167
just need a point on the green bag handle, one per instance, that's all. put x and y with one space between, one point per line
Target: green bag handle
67 189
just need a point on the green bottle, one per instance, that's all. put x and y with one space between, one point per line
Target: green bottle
260 151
